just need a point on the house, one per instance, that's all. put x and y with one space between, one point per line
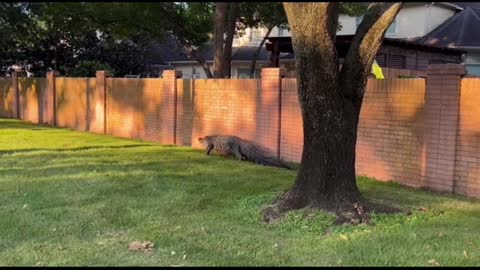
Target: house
394 53
460 31
168 55
241 61
424 23
441 24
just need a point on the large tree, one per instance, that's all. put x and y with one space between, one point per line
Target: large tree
330 100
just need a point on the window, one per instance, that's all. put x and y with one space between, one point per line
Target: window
244 73
381 59
390 31
396 61
473 70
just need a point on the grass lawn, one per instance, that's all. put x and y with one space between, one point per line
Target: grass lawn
73 198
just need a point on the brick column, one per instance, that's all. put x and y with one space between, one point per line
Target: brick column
268 116
49 104
98 102
169 106
442 103
16 92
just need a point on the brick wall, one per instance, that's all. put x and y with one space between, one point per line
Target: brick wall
418 132
7 98
225 106
71 102
467 162
30 93
390 133
134 108
291 147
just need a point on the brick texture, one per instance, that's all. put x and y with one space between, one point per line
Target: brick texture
71 101
30 98
467 165
7 98
228 106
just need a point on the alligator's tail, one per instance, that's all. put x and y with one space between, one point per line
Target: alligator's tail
272 161
259 155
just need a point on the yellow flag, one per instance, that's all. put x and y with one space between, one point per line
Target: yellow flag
377 70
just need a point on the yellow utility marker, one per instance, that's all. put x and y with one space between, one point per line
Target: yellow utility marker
377 70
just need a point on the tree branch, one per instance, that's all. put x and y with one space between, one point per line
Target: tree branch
364 48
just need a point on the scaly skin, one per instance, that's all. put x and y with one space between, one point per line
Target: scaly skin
241 149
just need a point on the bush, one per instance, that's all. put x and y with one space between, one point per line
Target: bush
87 69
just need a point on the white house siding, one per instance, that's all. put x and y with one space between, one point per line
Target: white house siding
435 16
188 68
349 25
413 20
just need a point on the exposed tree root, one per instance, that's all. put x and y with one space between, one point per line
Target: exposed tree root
356 212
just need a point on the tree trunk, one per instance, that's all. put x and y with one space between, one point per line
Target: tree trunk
257 52
326 178
193 54
232 23
205 67
219 25
330 101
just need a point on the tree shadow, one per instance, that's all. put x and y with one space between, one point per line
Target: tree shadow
30 98
31 150
7 96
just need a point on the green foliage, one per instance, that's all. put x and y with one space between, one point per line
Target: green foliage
88 69
195 23
263 14
353 8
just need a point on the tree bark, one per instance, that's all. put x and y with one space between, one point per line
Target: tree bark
232 23
219 25
257 52
330 101
194 55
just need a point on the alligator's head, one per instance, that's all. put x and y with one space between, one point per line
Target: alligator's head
202 140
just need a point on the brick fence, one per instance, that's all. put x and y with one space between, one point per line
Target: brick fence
418 132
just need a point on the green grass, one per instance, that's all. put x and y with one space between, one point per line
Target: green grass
73 198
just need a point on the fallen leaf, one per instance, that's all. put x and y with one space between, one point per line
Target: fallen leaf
25 206
141 246
433 262
185 256
465 253
423 209
343 236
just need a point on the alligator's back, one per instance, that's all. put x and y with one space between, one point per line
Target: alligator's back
228 144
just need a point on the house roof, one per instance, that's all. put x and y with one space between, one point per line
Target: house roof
343 42
169 52
461 30
461 5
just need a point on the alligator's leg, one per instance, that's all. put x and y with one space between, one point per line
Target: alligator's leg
209 148
238 153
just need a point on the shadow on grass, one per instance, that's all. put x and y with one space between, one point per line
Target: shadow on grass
30 150
17 124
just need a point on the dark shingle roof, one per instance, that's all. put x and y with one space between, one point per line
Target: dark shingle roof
461 30
168 51
464 4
